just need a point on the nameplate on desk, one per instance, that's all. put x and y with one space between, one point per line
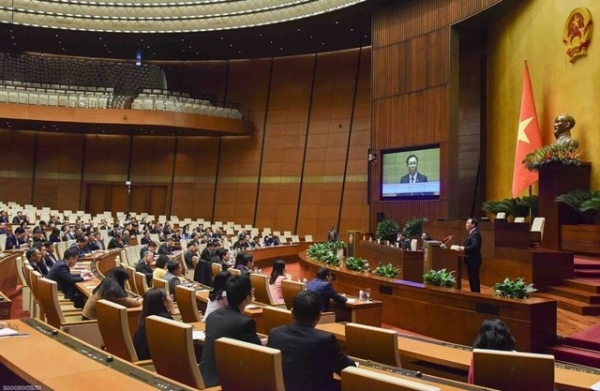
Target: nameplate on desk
198 335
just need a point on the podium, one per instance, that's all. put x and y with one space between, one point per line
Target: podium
438 258
557 179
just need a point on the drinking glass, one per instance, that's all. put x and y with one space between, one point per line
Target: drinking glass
368 294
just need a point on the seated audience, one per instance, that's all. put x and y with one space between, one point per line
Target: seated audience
322 286
54 235
493 335
156 302
150 246
112 288
309 356
50 257
221 256
228 322
34 256
191 255
160 266
143 266
81 245
244 262
16 240
61 273
172 276
116 242
217 297
277 275
207 253
167 248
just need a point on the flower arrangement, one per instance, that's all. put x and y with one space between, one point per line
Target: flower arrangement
552 153
357 264
516 289
440 278
389 270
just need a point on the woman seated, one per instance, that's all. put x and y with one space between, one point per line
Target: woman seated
217 298
112 288
160 266
493 335
277 275
156 302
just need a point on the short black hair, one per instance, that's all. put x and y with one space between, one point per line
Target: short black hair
19 230
243 258
474 221
161 261
412 155
30 251
172 266
306 307
238 288
323 272
70 253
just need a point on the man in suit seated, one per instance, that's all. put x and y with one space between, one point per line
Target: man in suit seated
228 322
34 256
116 242
17 240
244 262
309 356
324 289
172 276
61 273
167 248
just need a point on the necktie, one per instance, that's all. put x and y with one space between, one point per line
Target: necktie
412 179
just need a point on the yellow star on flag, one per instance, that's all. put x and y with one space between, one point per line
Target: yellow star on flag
522 136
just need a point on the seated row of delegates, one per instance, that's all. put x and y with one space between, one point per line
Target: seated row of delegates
244 262
217 297
323 287
221 256
156 302
112 288
61 273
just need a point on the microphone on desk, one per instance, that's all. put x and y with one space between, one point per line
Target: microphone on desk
446 240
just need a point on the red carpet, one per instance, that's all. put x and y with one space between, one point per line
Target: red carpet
586 339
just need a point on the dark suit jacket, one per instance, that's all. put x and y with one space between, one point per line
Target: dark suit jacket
40 267
309 357
140 342
164 249
114 243
420 178
12 242
473 247
326 292
224 322
61 273
50 260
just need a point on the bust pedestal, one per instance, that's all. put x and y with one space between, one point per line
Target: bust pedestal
556 179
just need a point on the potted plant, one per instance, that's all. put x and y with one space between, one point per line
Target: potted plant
585 202
517 289
414 228
337 247
388 271
387 230
552 154
357 264
516 207
440 278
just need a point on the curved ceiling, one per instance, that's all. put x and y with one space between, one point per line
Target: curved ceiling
162 16
344 27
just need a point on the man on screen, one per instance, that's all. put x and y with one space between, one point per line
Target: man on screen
412 161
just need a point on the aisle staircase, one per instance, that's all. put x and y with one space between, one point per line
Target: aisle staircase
581 294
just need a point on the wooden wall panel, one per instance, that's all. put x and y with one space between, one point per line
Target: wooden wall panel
106 158
412 87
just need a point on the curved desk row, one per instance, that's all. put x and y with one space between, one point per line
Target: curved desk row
448 314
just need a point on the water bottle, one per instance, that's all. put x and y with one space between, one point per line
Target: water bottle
361 295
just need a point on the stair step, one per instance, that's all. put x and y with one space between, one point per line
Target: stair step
582 343
585 273
575 294
571 305
577 356
588 285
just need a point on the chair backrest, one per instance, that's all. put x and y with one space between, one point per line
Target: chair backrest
274 317
161 283
500 216
538 226
48 298
140 283
247 366
2 242
308 238
114 328
186 301
523 371
131 281
215 268
262 293
372 343
290 289
22 279
172 350
234 271
357 379
519 219
413 244
61 247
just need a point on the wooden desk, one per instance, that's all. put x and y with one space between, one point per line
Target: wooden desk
448 314
104 260
264 256
453 361
61 362
359 311
410 262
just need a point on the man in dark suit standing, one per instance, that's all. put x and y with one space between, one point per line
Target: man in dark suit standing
412 163
472 250
61 273
309 356
228 322
324 289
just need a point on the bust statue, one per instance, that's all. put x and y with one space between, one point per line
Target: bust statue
562 131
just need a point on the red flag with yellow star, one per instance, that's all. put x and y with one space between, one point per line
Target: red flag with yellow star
528 138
